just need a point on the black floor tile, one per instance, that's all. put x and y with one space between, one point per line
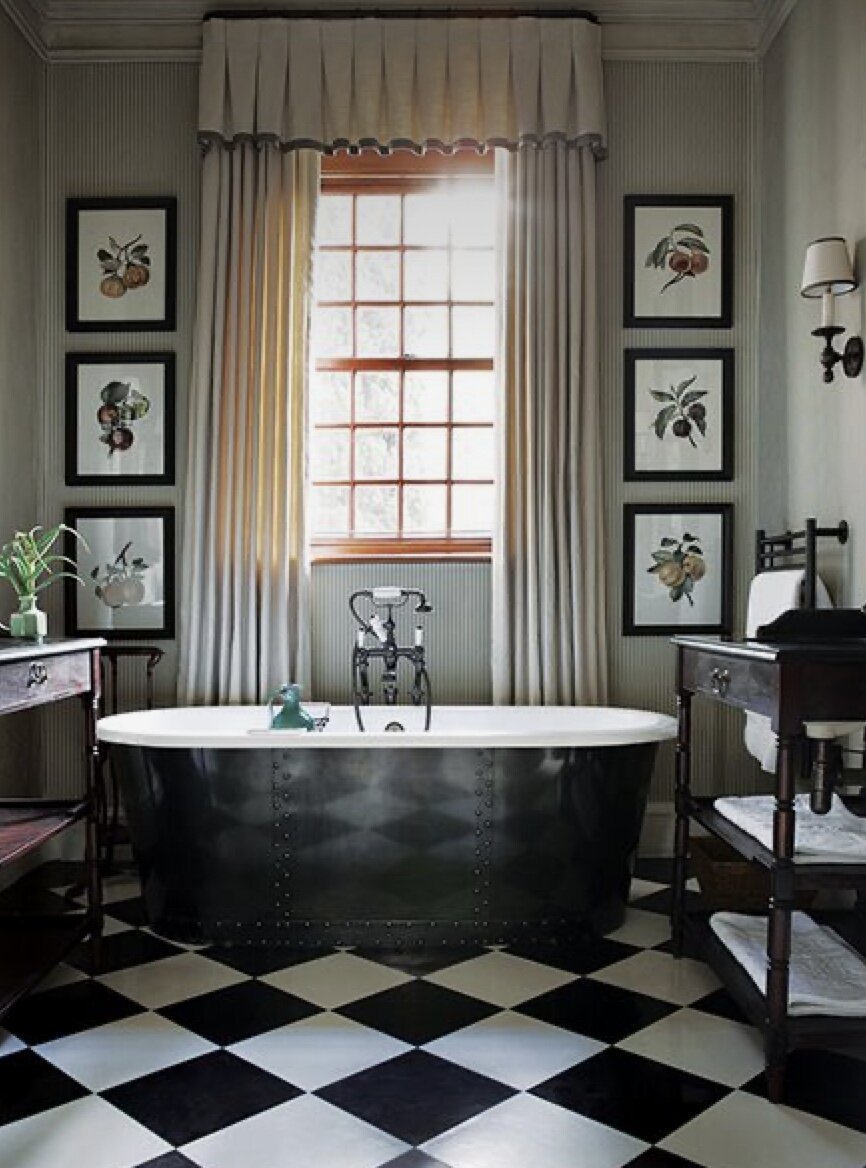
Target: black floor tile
659 1158
416 1096
258 960
195 1098
122 950
29 1084
584 955
414 1159
596 1010
31 899
661 901
632 1094
418 1011
721 1004
238 1012
657 868
824 1083
67 1010
422 960
169 1160
131 911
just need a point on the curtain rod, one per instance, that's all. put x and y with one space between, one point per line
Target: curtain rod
398 14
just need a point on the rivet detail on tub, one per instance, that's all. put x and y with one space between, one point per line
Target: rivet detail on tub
484 775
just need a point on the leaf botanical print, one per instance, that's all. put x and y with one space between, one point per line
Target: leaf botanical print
682 410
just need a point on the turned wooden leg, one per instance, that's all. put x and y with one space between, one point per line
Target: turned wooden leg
681 831
779 927
93 875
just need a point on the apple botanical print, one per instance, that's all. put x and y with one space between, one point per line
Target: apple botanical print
678 261
677 568
121 264
678 414
120 419
127 564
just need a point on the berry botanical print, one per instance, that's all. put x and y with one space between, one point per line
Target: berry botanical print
682 411
125 267
679 565
122 406
683 251
120 584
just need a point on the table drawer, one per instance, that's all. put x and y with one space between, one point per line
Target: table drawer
43 679
747 684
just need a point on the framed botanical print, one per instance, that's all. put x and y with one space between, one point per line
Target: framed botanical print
127 564
121 261
679 415
678 568
678 254
120 419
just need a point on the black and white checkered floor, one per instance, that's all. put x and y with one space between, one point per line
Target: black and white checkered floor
517 1058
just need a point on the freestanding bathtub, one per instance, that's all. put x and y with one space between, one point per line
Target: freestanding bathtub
497 824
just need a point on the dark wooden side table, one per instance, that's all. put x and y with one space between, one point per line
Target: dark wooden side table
791 684
35 675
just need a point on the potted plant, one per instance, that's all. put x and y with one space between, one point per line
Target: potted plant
30 565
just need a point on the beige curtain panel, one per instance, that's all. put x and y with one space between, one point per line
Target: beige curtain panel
548 615
244 611
402 82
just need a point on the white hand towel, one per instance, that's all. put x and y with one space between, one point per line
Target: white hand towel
826 975
837 837
771 594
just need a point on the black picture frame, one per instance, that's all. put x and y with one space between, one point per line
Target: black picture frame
631 625
631 359
166 321
75 627
74 363
722 319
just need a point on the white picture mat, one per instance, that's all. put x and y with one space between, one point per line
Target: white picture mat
652 602
146 456
105 537
671 453
147 303
693 296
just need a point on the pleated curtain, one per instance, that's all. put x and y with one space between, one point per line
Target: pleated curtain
244 579
548 608
272 92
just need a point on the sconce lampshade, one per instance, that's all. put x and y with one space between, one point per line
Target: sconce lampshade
828 268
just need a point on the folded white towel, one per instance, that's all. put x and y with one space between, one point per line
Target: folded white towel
826 975
771 594
837 837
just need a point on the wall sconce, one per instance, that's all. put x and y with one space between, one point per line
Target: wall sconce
828 273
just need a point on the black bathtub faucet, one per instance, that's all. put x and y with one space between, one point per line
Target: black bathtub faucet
379 627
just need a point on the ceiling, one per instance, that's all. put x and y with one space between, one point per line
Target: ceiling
124 30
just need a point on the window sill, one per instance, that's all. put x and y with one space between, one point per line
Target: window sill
429 551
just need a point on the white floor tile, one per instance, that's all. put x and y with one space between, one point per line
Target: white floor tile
513 1049
9 1044
525 1131
116 888
640 888
319 1050
745 1130
112 925
172 979
61 975
715 1048
501 979
89 1133
660 975
335 980
303 1133
112 1054
642 928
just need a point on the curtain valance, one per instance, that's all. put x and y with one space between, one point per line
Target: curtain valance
413 83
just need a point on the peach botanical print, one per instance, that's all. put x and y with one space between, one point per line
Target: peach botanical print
125 267
121 582
682 251
679 565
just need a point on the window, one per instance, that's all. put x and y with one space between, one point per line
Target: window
402 392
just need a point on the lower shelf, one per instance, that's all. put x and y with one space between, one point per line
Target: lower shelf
27 823
31 947
802 1029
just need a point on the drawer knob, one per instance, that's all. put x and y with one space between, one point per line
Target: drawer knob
720 681
37 676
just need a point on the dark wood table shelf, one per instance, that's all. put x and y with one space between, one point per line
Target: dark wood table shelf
806 875
791 684
32 947
33 942
25 824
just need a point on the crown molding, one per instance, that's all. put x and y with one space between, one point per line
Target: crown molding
126 31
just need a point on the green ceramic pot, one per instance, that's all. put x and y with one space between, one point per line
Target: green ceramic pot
29 623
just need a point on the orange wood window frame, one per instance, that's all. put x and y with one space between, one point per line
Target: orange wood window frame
399 174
